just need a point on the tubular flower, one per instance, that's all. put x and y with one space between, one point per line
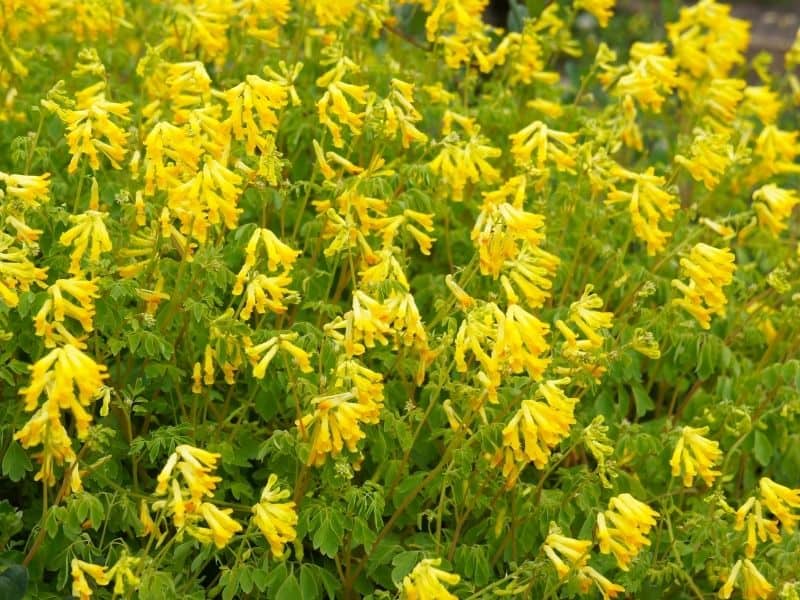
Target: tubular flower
58 374
334 101
758 527
223 528
602 10
460 163
29 190
259 97
90 128
589 320
709 270
557 147
754 586
264 292
649 77
88 233
631 521
427 582
707 40
708 159
276 520
774 206
261 355
80 585
695 455
780 500
530 271
195 467
576 552
336 424
17 273
648 203
501 223
59 307
523 342
401 114
558 547
775 153
536 428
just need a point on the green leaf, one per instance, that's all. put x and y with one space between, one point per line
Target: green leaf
762 448
403 563
644 402
289 590
13 582
308 584
328 532
16 462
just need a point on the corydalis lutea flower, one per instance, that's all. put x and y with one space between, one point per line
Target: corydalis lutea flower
276 519
630 522
536 428
648 203
195 467
427 582
754 585
570 555
695 455
709 269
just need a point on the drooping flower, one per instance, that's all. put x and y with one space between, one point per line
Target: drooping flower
427 582
709 269
536 428
774 206
695 455
630 522
276 519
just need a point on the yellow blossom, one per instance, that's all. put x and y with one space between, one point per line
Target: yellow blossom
695 455
276 519
427 582
631 521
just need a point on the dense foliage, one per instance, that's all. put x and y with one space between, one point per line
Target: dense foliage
338 298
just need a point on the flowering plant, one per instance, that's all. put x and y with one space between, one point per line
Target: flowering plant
307 299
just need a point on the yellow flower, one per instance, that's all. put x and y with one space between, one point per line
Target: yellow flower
648 203
460 163
575 551
16 272
707 40
276 520
754 586
426 582
88 233
550 145
536 428
774 206
649 77
606 587
80 585
602 10
695 455
780 500
31 190
709 270
709 157
589 320
259 97
758 527
262 354
631 521
223 528
336 424
90 129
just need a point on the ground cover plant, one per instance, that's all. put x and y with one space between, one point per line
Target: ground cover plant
339 299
